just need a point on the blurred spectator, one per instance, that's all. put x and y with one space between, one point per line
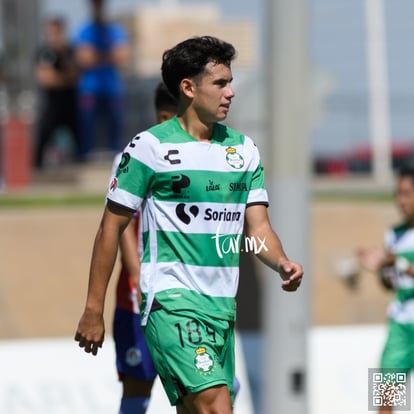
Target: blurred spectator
56 74
102 49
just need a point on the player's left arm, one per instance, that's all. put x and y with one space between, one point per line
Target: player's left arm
257 225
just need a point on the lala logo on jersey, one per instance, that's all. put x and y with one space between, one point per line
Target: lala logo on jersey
233 158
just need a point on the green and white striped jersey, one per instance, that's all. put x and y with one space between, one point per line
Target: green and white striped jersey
400 241
193 197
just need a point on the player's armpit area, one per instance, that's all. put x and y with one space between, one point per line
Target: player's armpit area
119 209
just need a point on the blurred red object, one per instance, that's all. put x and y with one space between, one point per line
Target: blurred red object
16 152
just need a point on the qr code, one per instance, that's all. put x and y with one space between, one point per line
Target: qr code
389 388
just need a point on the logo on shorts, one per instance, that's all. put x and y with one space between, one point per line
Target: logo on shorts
203 361
133 357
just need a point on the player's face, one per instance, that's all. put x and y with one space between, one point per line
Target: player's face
405 197
213 93
54 34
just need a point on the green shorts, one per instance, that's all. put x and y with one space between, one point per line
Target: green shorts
191 351
399 348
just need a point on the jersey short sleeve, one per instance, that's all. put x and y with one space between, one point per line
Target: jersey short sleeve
257 192
132 179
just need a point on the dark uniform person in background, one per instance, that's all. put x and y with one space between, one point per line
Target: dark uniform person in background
56 74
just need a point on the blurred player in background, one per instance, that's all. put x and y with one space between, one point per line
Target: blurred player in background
395 266
134 363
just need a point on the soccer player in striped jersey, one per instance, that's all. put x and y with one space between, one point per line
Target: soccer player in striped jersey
198 183
395 265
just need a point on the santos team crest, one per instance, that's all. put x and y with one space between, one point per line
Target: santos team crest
233 158
203 361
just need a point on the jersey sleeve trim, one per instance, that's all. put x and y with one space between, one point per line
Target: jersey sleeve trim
257 203
114 203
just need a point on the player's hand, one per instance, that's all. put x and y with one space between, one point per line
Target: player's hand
292 274
373 258
91 331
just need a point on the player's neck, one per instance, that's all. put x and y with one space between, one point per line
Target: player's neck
195 127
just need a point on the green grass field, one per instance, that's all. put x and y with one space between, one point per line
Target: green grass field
82 199
50 200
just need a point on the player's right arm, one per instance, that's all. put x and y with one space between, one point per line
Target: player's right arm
129 254
91 327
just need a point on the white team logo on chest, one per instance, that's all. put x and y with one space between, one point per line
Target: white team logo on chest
233 158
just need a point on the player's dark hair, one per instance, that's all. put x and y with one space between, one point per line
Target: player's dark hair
163 100
190 57
406 171
55 20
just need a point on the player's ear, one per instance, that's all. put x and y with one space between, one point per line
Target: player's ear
187 87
